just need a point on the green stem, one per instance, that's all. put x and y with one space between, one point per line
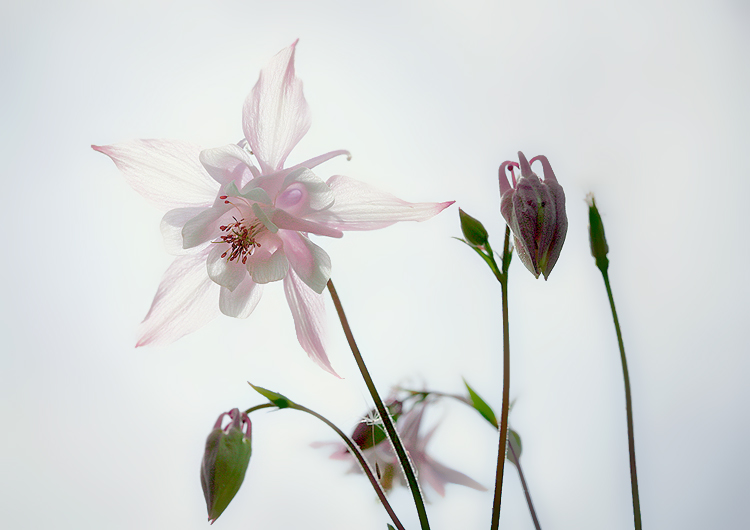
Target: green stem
503 279
353 448
517 461
628 404
390 429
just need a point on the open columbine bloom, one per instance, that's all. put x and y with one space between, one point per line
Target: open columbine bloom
236 225
535 213
382 458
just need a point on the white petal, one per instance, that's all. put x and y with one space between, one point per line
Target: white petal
268 267
303 192
167 173
185 301
282 219
226 273
308 312
171 228
241 302
311 263
203 227
229 163
359 206
315 161
276 116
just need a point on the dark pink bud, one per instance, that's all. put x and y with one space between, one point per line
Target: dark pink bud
535 213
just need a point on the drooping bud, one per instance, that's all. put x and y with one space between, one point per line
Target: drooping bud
599 247
535 213
473 229
369 432
225 461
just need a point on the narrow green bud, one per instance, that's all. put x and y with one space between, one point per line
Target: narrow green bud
225 462
599 248
473 230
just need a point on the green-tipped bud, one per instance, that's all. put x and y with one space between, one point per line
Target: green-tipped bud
225 461
473 230
599 248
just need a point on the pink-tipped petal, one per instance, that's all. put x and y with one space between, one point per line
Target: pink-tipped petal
185 301
276 115
167 173
308 312
359 206
229 163
241 302
310 262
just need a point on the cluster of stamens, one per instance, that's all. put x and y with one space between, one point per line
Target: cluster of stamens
241 238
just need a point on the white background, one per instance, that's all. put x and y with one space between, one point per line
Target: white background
643 103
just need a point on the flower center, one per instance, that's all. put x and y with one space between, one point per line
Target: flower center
241 239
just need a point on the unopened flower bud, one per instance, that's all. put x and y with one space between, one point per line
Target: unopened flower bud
369 433
473 230
225 461
599 247
535 213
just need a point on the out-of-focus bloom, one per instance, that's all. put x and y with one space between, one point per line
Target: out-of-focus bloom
236 226
382 458
225 461
535 213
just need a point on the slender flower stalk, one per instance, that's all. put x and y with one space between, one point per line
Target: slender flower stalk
517 461
497 501
390 428
599 250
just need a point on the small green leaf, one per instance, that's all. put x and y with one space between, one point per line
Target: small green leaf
390 527
481 406
277 399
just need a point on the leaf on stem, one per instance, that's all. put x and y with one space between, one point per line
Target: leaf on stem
481 406
277 399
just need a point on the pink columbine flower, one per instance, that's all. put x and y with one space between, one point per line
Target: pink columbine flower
236 225
382 458
535 213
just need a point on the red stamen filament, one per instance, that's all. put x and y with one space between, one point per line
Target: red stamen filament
241 238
